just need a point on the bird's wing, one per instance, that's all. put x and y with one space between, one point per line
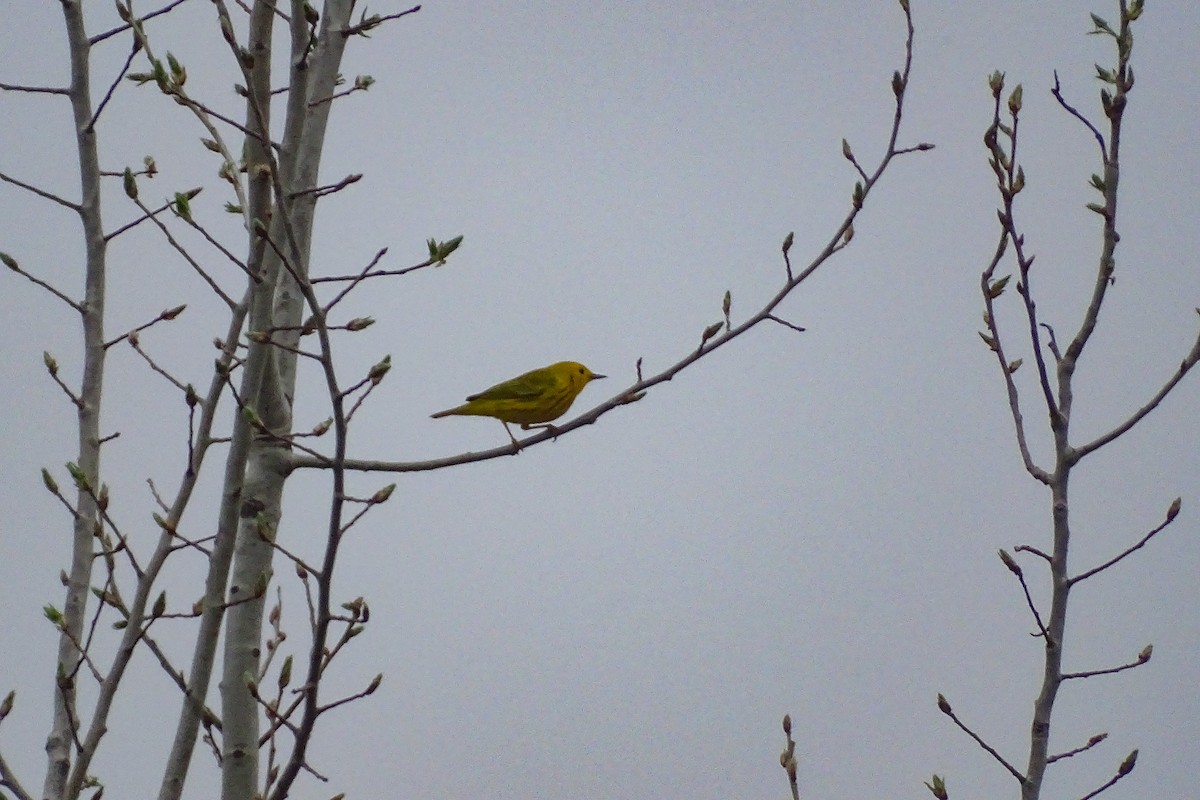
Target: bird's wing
529 386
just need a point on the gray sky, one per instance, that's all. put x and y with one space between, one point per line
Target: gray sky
801 523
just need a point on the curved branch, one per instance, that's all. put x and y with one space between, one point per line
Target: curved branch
836 243
1185 366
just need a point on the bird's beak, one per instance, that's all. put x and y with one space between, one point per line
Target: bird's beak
595 376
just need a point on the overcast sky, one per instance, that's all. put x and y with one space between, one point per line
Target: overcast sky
802 523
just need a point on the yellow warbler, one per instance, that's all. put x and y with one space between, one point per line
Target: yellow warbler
531 399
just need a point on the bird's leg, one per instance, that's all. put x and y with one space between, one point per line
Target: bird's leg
527 426
507 430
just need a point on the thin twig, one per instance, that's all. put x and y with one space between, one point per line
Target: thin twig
321 191
785 323
179 248
1125 768
1123 554
14 87
945 708
1188 362
41 283
1092 742
100 37
137 221
368 23
1025 548
42 193
1142 658
1057 92
133 51
165 316
133 342
8 779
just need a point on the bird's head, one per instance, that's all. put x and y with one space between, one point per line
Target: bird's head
577 373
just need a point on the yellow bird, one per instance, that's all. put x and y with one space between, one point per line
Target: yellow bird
531 400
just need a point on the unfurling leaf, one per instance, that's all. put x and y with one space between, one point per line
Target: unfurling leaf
1102 26
996 288
181 206
446 248
178 73
52 614
377 372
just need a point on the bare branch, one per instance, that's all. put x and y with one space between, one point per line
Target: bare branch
321 191
1092 742
785 323
137 347
1024 548
1142 658
12 264
1057 92
1124 769
179 248
709 344
1016 570
40 192
944 707
13 87
1171 513
8 779
367 23
100 37
1188 362
108 237
133 51
1010 180
164 316
370 690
